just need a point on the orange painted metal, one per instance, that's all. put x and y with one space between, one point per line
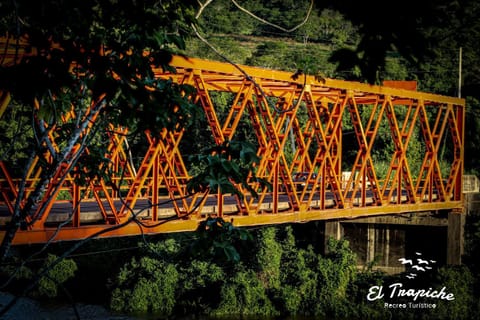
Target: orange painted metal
4 101
307 115
401 84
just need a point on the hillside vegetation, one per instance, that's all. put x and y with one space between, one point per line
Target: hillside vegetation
333 43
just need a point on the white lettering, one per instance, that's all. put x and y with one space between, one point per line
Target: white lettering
375 293
398 291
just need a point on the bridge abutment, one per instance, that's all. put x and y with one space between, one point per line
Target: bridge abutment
455 237
383 240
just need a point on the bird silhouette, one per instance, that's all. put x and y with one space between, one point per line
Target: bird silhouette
418 268
405 261
421 265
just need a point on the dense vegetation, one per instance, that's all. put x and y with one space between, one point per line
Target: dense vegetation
273 277
235 273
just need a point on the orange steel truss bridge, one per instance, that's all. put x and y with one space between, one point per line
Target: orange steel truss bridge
309 117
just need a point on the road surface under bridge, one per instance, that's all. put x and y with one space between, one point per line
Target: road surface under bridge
306 115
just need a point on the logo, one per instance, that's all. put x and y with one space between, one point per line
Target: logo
420 265
399 295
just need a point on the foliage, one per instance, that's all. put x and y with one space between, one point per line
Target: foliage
222 18
163 279
297 293
335 273
122 71
49 283
244 295
60 273
271 54
224 167
361 308
330 27
381 33
15 137
459 280
225 44
277 277
199 283
94 58
218 240
472 127
472 241
424 38
146 285
269 258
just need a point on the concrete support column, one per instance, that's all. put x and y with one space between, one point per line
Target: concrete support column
455 237
333 229
370 242
387 246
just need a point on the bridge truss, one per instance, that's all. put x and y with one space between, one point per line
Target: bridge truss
307 116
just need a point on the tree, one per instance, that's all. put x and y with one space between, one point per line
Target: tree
404 27
113 50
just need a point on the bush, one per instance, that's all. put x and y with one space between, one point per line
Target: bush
147 285
279 279
244 295
48 284
335 272
200 283
458 280
64 270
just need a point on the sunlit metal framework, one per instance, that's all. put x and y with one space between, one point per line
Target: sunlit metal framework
307 116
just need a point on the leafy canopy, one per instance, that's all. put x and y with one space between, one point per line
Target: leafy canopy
91 48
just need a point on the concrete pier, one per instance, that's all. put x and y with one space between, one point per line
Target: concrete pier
383 240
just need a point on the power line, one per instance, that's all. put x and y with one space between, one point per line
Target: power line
307 16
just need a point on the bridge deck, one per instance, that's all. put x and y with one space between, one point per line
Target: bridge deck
59 219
